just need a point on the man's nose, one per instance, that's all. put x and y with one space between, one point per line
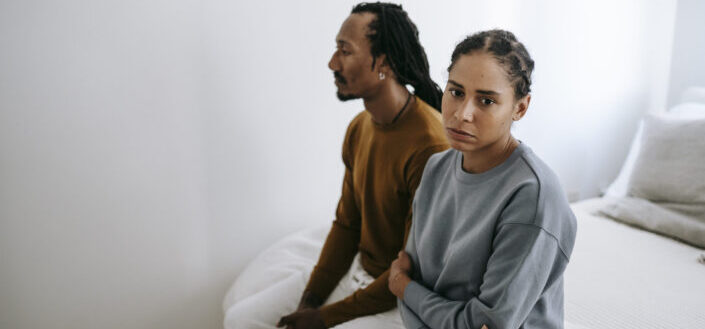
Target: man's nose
333 63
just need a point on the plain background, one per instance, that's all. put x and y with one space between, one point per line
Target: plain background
150 149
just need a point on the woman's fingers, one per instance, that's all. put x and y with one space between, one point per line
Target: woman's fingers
404 261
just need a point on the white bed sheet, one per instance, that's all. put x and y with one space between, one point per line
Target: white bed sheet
623 277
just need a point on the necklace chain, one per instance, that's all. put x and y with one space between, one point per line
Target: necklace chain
408 98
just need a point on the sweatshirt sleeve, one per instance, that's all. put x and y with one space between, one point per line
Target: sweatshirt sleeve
376 297
411 320
525 261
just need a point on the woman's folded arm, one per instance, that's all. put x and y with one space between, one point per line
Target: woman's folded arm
525 262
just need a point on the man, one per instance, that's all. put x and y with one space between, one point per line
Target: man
385 150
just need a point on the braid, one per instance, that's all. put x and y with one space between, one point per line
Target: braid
509 52
393 34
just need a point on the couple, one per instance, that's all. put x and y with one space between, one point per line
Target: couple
492 231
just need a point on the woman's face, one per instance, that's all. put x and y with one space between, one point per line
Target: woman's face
479 104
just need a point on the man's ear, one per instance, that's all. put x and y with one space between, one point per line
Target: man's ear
382 65
381 61
521 107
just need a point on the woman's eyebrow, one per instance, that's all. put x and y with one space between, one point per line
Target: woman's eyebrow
456 84
487 92
479 91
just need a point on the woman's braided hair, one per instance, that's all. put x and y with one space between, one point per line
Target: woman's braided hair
509 52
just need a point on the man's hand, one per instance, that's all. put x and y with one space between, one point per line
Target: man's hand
307 318
399 274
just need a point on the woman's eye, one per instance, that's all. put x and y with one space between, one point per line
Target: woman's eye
486 101
456 93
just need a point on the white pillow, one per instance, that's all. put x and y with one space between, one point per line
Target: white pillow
666 190
694 95
670 167
672 220
688 110
618 188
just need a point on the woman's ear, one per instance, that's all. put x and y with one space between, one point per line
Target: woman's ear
521 107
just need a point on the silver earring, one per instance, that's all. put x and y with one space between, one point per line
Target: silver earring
381 75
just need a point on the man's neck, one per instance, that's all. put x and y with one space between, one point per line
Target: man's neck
386 104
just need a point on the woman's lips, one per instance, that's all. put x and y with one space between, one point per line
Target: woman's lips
459 133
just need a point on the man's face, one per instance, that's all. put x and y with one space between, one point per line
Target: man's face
352 61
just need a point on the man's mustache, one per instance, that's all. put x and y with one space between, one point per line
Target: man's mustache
339 78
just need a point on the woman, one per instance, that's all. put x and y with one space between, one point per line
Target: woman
492 230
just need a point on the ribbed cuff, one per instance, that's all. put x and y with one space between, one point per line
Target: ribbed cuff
408 318
321 284
414 294
329 316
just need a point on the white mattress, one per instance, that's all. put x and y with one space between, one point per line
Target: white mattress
623 277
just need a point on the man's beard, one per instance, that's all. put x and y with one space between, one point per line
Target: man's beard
346 97
341 80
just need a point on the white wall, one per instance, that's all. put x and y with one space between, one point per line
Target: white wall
102 181
273 127
688 61
600 65
149 150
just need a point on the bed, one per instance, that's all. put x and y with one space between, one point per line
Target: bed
620 276
639 257
623 273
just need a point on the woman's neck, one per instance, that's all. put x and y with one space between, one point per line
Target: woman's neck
484 159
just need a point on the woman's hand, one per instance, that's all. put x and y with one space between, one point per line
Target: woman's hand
399 274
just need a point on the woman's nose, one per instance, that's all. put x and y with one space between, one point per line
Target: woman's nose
466 112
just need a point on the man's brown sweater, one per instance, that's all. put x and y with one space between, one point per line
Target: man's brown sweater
383 167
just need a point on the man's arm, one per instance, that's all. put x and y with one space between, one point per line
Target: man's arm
341 245
376 298
337 253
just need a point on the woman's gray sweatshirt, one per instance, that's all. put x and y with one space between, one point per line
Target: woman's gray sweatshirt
488 248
